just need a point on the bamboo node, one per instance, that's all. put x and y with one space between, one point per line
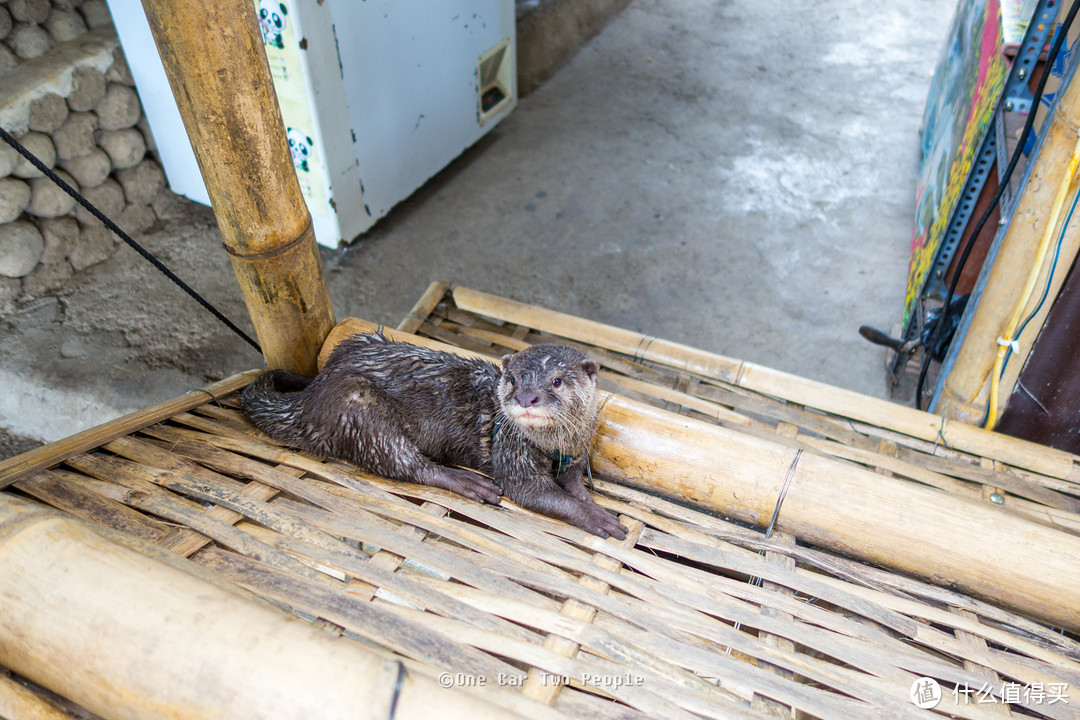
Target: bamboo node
307 234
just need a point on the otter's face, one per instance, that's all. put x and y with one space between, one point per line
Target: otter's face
547 387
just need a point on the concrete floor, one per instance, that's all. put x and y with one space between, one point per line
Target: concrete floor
738 176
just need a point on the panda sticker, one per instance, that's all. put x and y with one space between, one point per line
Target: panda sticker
272 22
300 147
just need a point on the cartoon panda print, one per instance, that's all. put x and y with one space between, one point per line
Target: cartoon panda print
272 22
300 147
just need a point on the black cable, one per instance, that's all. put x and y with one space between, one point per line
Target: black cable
398 685
124 236
1062 33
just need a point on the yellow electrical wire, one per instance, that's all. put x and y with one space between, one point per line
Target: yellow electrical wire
1007 340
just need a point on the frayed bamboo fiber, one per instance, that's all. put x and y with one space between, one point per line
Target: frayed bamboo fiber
951 541
127 636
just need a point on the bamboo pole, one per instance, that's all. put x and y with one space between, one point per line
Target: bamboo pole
951 541
214 57
157 642
964 389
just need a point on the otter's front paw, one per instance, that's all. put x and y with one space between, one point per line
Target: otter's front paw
469 484
600 522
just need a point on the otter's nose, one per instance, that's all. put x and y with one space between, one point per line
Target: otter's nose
527 398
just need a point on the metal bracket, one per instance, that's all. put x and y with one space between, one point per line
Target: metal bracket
1015 97
961 216
1016 94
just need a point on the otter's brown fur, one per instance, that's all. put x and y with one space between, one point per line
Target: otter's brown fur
411 413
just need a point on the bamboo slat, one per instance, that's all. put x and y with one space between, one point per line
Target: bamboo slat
692 616
22 465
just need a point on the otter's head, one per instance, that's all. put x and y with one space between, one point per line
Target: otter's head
549 392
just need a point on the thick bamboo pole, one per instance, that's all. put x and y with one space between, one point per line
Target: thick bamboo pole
157 642
214 57
964 389
951 541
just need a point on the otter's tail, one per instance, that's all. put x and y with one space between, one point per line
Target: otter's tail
271 403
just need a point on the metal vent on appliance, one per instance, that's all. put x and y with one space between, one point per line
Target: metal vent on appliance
495 73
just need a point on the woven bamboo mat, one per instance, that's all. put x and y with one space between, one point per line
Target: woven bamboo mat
690 616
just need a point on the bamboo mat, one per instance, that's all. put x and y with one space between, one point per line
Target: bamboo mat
690 616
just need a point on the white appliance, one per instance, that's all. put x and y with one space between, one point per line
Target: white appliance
377 96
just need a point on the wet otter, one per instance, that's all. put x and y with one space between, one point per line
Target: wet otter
408 413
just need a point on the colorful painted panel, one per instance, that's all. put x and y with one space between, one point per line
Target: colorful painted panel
967 83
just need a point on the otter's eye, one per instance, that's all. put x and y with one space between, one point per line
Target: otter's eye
512 380
557 382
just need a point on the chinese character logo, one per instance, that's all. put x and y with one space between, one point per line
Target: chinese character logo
926 693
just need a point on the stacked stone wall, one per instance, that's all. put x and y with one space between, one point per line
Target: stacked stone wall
70 100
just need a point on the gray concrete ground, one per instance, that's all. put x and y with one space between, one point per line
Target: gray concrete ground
734 175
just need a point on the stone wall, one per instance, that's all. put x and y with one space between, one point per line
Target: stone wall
67 95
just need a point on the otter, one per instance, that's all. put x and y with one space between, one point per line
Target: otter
520 429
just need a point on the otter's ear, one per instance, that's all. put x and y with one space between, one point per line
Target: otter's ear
591 368
506 361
